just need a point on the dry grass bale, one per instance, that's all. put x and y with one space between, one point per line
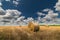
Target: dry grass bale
33 27
36 28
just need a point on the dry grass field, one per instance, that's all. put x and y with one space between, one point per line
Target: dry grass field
24 33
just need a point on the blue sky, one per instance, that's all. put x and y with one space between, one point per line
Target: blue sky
23 11
29 8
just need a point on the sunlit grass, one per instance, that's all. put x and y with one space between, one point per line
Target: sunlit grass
23 33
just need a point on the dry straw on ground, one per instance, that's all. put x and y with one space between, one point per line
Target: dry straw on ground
24 33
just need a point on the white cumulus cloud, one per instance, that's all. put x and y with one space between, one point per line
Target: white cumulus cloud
7 0
9 16
40 14
46 10
50 18
57 6
16 2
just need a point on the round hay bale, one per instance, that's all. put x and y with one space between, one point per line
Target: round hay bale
36 28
